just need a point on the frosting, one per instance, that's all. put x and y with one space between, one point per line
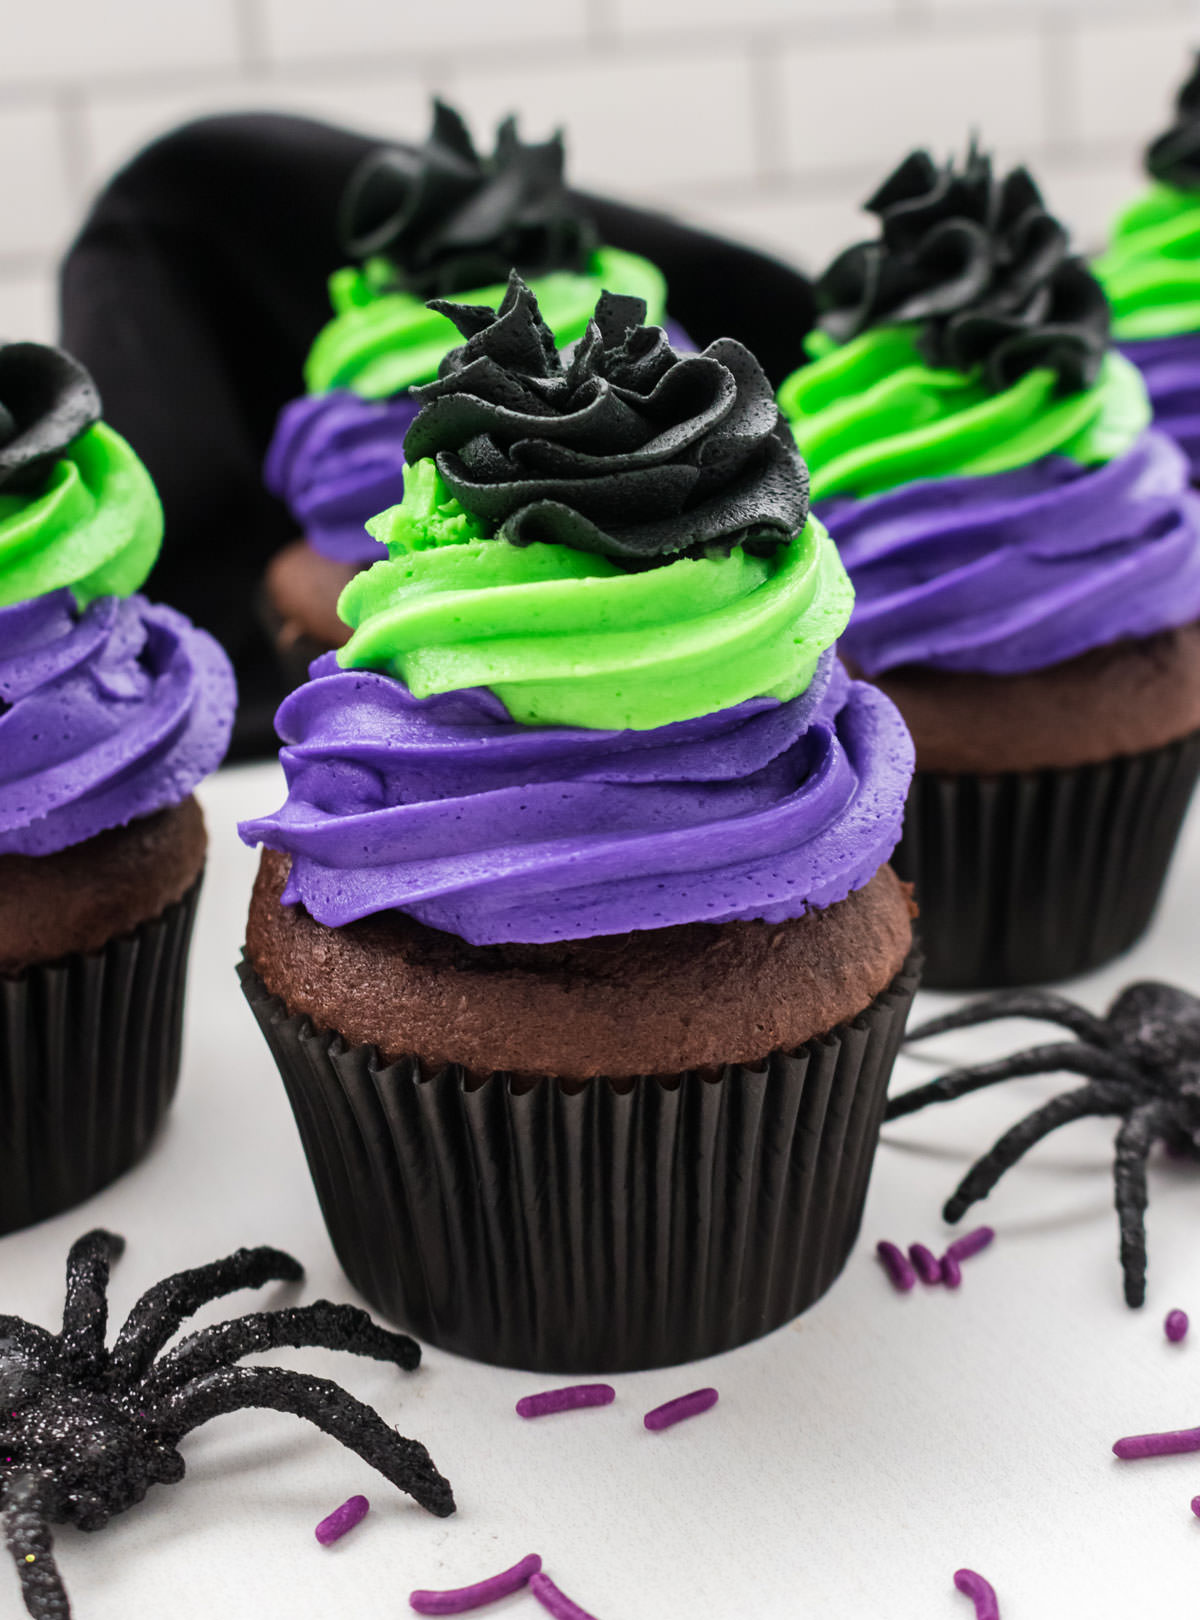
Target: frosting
1174 156
591 689
77 508
965 340
96 526
380 342
1171 369
337 460
983 460
979 269
1023 569
873 414
496 831
622 448
565 637
46 400
443 219
110 708
1151 271
110 712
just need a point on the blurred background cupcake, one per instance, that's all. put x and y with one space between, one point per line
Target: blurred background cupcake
439 222
112 709
582 865
1151 273
1025 551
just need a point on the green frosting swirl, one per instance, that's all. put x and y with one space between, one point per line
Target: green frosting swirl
96 525
565 637
381 342
1151 272
871 415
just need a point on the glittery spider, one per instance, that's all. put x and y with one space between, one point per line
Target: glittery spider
1142 1063
85 1430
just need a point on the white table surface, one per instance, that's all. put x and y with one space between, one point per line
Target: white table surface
856 1458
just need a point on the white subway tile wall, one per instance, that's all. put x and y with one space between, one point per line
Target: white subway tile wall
766 119
861 103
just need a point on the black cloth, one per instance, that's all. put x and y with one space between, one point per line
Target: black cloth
194 291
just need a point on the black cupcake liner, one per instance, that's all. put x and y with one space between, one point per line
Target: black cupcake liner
607 1228
89 1059
1026 877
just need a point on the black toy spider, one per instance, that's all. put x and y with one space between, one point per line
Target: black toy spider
86 1430
1142 1060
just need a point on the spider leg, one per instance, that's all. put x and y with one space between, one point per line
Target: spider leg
323 1325
1020 1004
406 1463
85 1314
1063 1056
1096 1098
157 1315
27 1536
1134 1140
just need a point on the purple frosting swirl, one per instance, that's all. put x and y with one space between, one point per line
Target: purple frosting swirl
445 808
1018 570
337 460
105 715
1171 367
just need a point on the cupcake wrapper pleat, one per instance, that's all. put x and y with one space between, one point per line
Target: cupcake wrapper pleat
89 1059
1027 877
605 1228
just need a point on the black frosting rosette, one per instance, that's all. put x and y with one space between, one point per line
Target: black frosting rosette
46 401
1174 156
447 219
621 448
980 266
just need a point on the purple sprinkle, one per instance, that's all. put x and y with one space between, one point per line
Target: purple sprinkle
1158 1445
895 1263
350 1513
971 1243
474 1597
558 1603
981 1593
565 1400
1196 1506
683 1406
951 1274
1176 1326
926 1263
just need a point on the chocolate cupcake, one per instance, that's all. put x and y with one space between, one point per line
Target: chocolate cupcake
440 222
574 940
1151 273
1025 551
111 711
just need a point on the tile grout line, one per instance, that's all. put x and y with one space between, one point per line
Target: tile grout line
601 26
250 23
73 140
768 123
1059 87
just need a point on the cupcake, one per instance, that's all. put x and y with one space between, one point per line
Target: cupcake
1151 274
111 711
1025 552
438 222
574 940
